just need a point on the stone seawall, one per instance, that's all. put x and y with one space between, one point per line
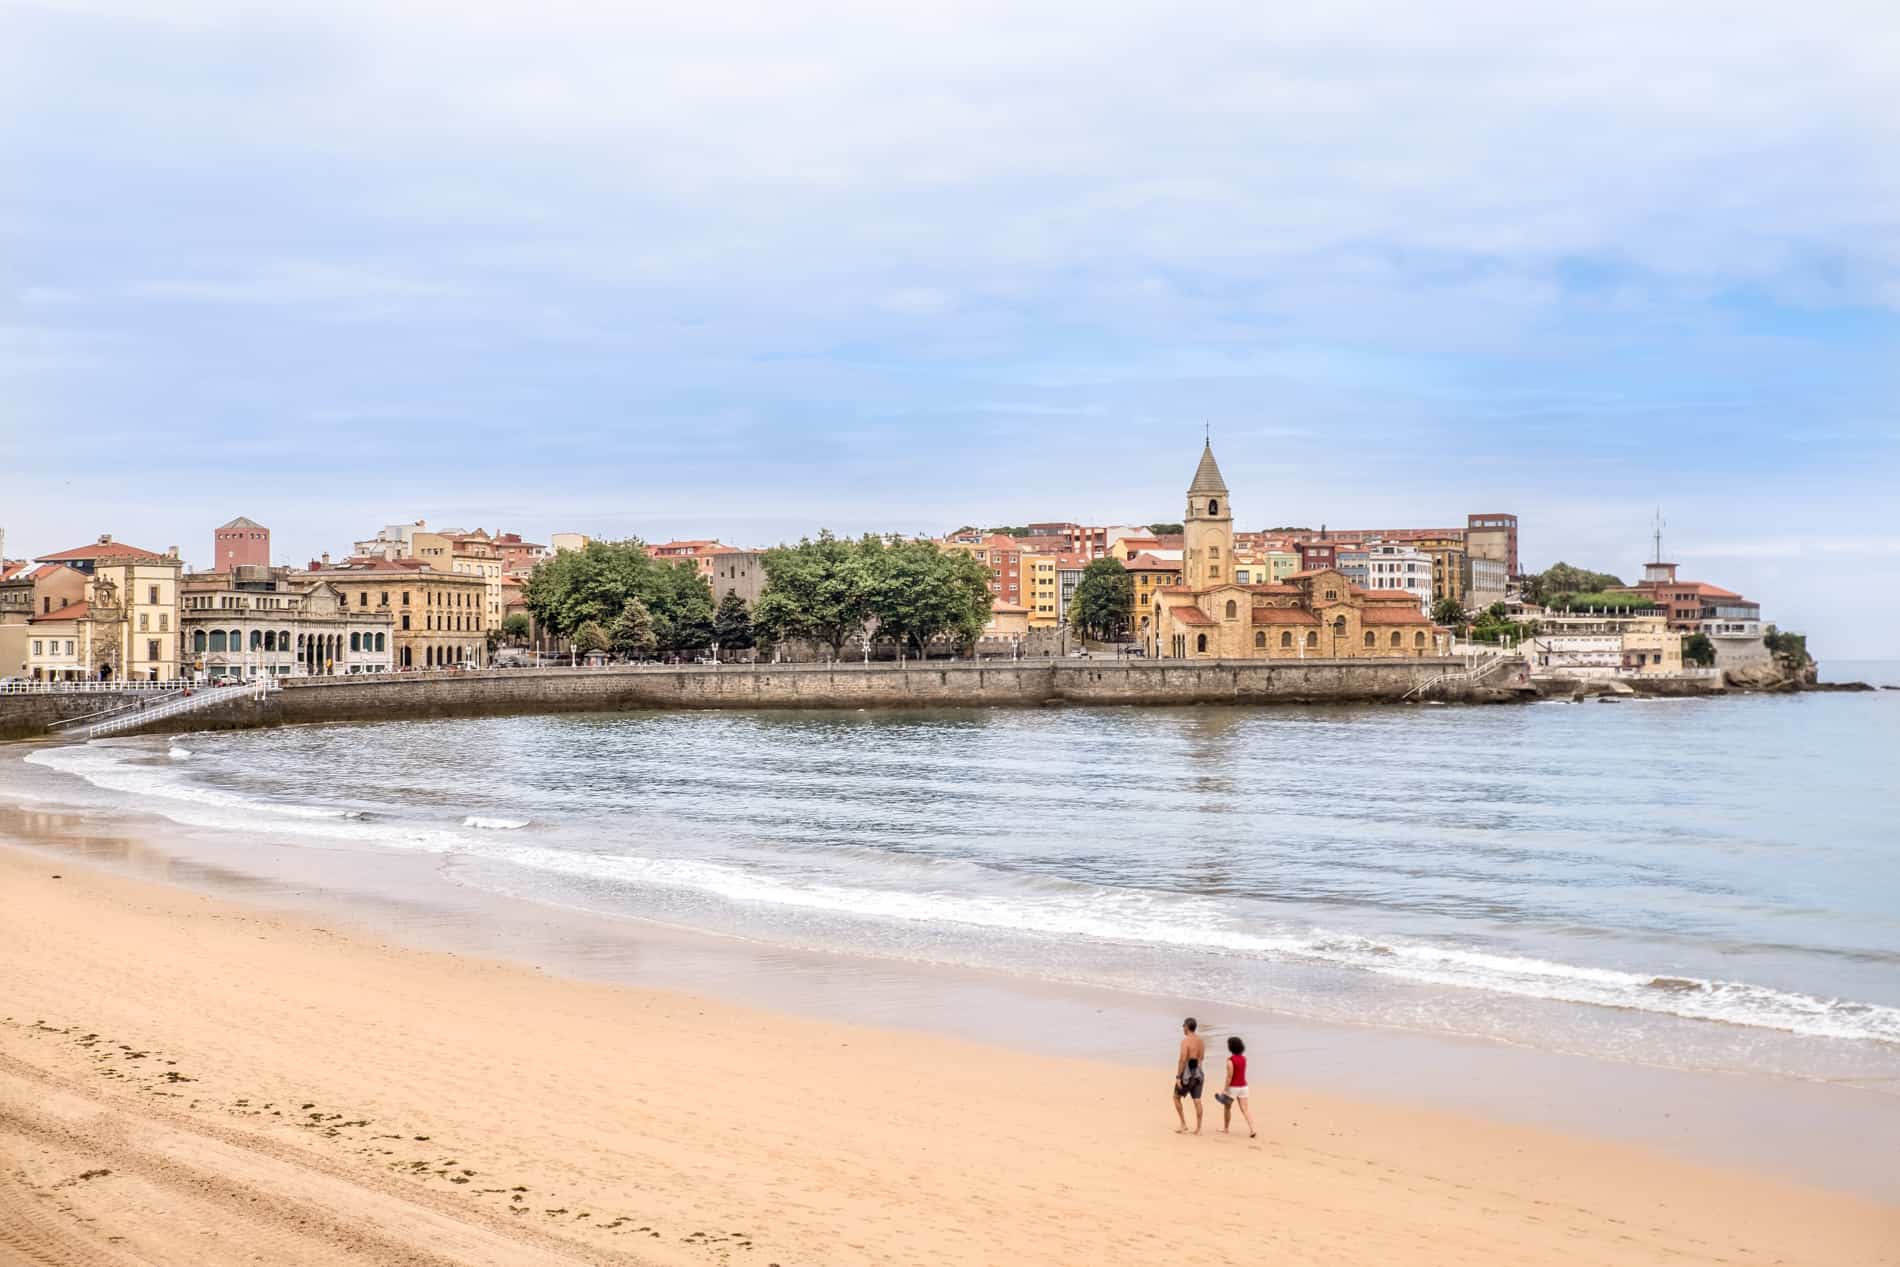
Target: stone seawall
25 716
940 685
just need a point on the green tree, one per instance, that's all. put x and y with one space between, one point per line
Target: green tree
681 605
1697 649
1791 647
1103 601
1561 578
732 623
632 633
517 628
494 638
595 584
1166 530
819 590
1448 611
918 593
590 637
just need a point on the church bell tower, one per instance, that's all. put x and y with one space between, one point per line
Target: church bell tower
1208 527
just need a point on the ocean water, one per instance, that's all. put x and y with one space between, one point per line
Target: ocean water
1698 884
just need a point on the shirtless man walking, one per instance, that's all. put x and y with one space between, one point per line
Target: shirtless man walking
1188 1075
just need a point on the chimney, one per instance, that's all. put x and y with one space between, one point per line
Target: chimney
326 558
105 538
171 552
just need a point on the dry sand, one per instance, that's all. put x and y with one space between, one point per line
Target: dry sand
186 1081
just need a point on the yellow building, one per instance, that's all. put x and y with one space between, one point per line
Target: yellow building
135 592
439 619
1448 566
1150 575
476 554
1041 590
1310 614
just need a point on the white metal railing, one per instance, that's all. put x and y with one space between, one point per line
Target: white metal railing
207 698
1466 676
90 687
139 700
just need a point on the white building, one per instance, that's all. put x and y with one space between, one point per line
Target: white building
262 622
1398 567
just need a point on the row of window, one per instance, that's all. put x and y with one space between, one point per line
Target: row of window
1286 640
276 640
51 646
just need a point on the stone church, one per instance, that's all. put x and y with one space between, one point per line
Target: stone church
1317 614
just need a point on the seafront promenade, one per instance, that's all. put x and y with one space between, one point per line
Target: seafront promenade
841 684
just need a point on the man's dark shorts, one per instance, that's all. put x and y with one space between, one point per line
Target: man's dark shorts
1189 1084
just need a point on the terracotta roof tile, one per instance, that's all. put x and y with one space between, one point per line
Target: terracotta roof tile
1283 616
1190 615
71 611
100 550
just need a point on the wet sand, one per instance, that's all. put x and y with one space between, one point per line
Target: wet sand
186 1079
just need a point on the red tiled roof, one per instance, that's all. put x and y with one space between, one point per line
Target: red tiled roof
1190 615
1000 606
71 611
8 570
43 570
1411 616
100 550
1148 563
1175 589
1283 616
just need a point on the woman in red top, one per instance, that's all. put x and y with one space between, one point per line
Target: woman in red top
1236 1089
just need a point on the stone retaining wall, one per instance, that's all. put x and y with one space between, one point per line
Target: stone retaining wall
845 685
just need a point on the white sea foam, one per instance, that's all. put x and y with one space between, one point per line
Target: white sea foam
1166 921
178 754
173 794
1033 908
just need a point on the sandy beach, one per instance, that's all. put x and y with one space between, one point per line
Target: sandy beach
185 1080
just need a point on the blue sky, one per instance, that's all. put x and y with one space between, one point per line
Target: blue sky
750 271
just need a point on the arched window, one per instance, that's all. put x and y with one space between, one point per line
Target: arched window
1396 638
237 640
270 640
1339 626
1286 637
198 642
1200 642
257 639
217 639
1368 637
1213 508
1233 609
1213 552
381 642
356 640
1418 639
1312 638
1260 640
283 639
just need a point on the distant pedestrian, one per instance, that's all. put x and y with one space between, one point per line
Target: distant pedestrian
1236 1089
1189 1075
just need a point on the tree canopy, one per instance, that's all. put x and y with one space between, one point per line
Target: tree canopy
516 627
830 591
1448 611
1697 649
732 623
1103 601
632 635
1561 578
595 583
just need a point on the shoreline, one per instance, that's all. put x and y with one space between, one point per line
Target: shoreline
719 1126
1818 1123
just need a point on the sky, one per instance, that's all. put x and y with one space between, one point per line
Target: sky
745 271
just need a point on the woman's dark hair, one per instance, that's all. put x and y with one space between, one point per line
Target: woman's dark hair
1235 1045
1190 1025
